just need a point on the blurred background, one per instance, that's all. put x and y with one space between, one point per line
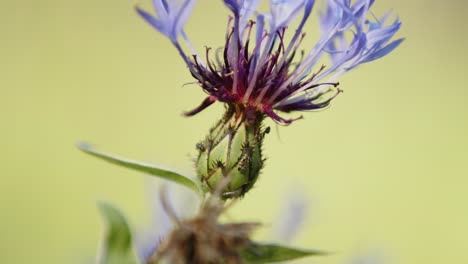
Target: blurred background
384 169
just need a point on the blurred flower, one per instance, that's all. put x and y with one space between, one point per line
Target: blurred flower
184 204
259 73
171 226
201 238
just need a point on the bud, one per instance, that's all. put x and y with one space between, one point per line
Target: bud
233 148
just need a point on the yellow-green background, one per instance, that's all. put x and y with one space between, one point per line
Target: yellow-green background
385 168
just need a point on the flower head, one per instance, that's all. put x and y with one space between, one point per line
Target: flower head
260 72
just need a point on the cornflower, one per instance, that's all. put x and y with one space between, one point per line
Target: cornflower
259 73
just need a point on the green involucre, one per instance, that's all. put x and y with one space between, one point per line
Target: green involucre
233 148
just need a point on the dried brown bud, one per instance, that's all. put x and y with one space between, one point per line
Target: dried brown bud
203 240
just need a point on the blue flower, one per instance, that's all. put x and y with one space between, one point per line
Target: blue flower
261 72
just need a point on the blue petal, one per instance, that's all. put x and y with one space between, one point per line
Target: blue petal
243 10
233 5
308 7
151 20
161 8
383 51
370 40
170 17
247 9
383 35
260 27
182 17
283 11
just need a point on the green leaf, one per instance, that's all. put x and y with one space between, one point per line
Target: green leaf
268 253
143 167
117 246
